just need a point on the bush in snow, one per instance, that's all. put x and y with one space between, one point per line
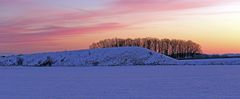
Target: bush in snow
63 59
95 63
47 62
19 61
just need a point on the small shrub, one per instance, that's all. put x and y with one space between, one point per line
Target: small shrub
47 62
63 59
19 61
150 53
95 63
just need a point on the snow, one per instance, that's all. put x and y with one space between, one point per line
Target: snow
107 57
121 82
224 61
117 73
96 57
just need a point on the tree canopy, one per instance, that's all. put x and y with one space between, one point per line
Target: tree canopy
171 47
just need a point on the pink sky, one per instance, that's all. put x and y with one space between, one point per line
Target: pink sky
29 26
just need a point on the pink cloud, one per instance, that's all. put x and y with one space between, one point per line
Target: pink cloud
51 33
52 22
46 16
90 29
162 5
42 23
51 16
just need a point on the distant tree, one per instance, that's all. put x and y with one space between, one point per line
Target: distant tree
174 48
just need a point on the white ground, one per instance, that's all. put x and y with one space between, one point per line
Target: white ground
127 82
93 57
107 57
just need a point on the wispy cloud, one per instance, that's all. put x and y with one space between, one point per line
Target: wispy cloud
36 21
47 33
134 6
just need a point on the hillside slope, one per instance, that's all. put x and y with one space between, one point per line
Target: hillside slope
96 57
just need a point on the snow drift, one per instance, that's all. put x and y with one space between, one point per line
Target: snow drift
95 57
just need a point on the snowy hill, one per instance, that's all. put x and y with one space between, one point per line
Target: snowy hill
96 57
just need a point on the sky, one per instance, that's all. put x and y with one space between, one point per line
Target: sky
29 26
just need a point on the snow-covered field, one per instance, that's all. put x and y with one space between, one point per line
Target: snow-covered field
106 57
121 82
223 61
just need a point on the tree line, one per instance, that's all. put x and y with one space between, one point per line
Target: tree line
171 47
